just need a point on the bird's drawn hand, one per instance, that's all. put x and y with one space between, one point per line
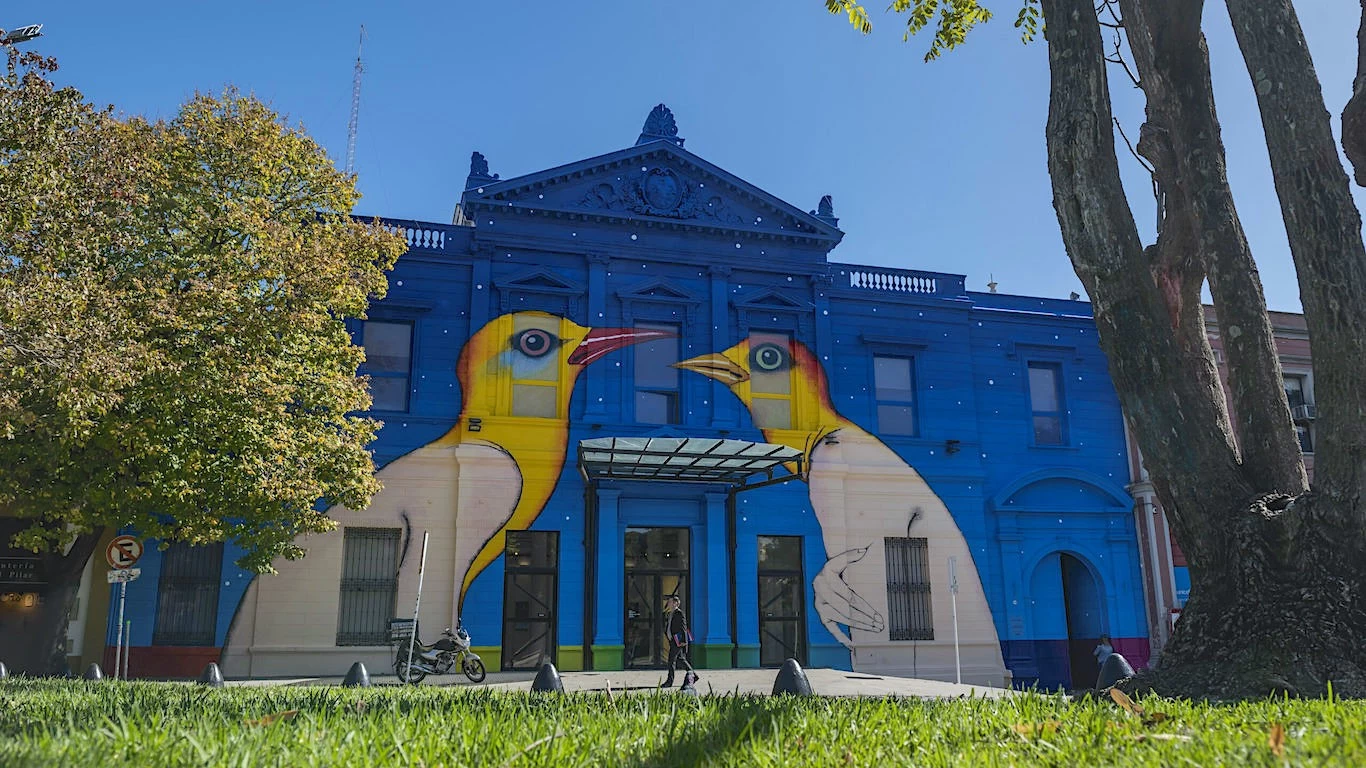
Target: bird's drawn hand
838 604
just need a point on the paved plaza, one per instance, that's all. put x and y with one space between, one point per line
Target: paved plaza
824 682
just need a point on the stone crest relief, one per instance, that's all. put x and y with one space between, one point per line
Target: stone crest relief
660 192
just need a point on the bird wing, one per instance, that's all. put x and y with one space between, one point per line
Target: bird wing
490 487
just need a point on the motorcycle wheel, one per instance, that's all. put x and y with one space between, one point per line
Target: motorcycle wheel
411 676
474 670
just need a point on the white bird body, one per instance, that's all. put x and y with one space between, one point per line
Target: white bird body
863 493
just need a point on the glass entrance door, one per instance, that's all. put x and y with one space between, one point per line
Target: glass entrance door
782 625
656 561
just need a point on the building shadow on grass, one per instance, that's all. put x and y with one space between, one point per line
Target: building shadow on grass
738 722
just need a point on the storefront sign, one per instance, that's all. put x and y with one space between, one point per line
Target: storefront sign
21 570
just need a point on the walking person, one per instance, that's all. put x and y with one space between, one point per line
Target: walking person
679 637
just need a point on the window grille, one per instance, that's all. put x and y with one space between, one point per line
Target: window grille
187 595
369 585
908 589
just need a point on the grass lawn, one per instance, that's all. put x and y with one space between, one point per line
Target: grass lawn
161 724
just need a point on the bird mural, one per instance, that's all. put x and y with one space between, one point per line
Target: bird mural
862 493
517 376
491 473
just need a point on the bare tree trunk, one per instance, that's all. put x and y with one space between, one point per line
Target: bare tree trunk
1181 139
1324 228
1276 600
1354 114
34 642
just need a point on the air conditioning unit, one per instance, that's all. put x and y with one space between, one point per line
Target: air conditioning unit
1305 412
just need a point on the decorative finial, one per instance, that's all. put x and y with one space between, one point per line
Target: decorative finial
479 172
825 211
659 126
991 284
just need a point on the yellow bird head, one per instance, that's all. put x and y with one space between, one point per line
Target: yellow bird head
541 355
778 379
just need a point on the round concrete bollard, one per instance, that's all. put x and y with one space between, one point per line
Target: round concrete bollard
4 671
212 676
93 672
792 680
357 677
547 680
1115 668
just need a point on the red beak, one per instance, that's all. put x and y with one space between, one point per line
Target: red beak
600 341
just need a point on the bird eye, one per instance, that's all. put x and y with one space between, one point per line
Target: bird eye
769 358
534 342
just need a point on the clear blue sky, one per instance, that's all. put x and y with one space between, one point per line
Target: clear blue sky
936 166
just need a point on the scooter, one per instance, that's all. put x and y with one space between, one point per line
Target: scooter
436 659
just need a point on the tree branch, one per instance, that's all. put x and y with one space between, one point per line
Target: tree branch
1354 114
1324 229
1178 418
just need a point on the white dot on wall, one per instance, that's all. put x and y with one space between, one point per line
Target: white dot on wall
490 222
737 245
1078 378
480 190
399 283
542 197
633 237
789 278
991 381
825 312
479 287
931 453
921 314
979 324
446 330
599 314
573 234
405 423
984 455
960 402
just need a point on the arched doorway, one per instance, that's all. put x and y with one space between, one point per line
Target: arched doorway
1085 619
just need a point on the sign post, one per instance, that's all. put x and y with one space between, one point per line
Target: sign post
121 554
953 592
417 606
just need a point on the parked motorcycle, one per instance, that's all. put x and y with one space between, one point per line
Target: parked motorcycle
452 650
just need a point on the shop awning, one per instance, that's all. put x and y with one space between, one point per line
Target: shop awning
682 459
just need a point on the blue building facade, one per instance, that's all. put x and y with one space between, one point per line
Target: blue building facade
637 375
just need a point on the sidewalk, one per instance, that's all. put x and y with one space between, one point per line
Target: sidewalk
825 682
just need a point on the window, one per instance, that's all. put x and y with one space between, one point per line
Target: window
908 588
187 595
1297 397
894 384
536 375
1294 390
1306 435
388 363
782 626
656 382
1045 401
369 585
770 380
531 572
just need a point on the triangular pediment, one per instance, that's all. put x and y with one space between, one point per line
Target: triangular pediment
538 281
658 182
769 299
658 290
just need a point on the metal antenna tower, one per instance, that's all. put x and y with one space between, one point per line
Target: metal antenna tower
355 109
